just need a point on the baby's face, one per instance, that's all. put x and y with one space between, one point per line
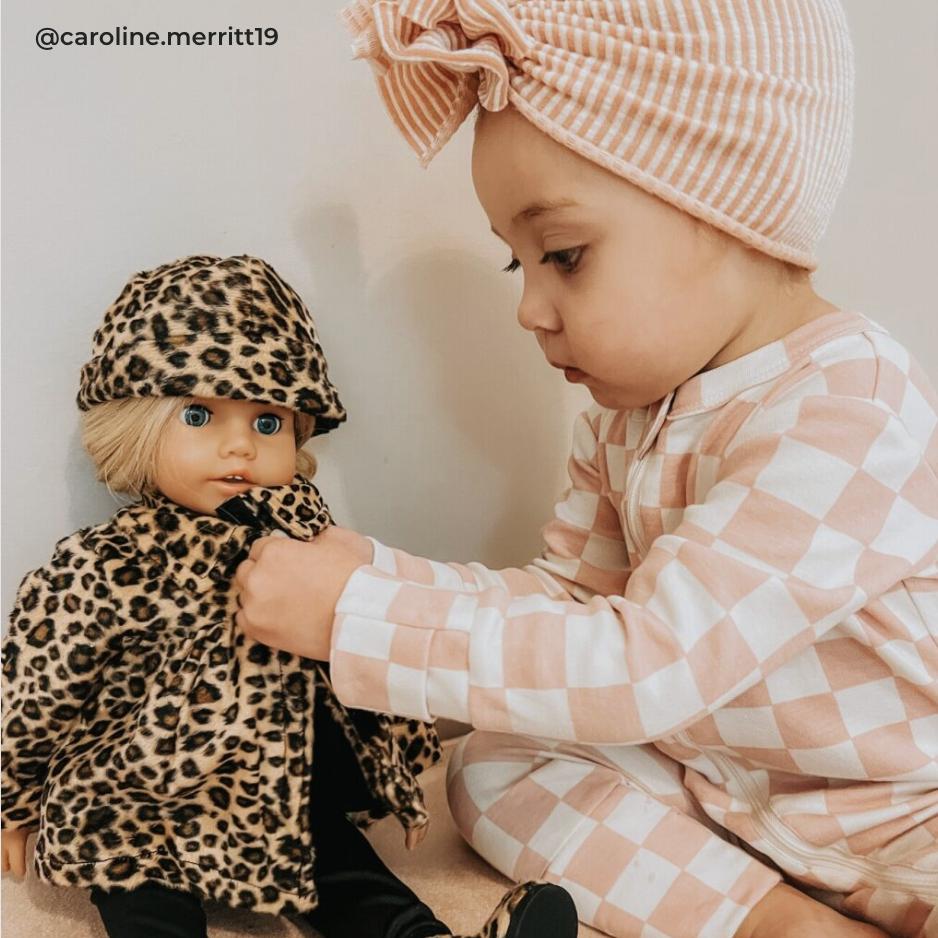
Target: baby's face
217 448
619 287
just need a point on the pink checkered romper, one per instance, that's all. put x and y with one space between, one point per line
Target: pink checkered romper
724 667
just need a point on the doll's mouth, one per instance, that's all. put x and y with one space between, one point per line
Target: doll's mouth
234 480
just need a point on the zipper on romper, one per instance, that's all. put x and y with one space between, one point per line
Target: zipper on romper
632 513
776 833
636 470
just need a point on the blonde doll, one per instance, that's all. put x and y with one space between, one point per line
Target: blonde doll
163 756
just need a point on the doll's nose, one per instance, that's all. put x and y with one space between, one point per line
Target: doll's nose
237 443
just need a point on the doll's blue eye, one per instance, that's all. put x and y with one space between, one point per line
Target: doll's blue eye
268 424
195 415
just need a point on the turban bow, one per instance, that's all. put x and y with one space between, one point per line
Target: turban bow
736 111
434 58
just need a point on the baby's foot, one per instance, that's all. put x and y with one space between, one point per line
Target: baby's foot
786 912
531 910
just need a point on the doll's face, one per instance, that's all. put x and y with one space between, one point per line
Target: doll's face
215 449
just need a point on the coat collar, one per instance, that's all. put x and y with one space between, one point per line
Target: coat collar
196 549
297 509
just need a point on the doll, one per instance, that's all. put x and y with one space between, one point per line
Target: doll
163 757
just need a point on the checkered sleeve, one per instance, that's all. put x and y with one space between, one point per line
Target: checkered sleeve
584 551
821 503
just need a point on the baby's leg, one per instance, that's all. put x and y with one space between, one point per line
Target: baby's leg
625 839
616 827
151 910
786 912
901 913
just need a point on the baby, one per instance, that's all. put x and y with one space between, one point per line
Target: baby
709 707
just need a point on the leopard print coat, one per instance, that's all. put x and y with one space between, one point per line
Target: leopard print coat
150 740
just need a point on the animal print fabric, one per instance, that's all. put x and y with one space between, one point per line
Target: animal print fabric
150 740
204 326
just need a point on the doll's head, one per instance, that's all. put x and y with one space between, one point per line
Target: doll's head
207 377
191 448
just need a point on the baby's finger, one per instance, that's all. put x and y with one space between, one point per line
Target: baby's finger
248 627
243 572
259 546
5 866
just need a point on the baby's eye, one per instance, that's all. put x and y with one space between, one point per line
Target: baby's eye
512 267
268 424
566 260
195 415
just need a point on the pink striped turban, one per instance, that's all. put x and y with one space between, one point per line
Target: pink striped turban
736 111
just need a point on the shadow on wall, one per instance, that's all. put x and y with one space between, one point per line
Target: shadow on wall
447 395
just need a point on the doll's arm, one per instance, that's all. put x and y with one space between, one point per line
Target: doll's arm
52 657
13 845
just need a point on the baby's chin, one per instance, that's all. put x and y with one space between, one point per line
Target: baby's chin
618 398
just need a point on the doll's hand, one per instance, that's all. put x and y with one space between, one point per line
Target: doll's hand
14 851
288 589
415 835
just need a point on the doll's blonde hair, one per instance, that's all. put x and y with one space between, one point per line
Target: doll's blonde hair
122 437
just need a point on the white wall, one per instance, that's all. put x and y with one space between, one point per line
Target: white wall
117 159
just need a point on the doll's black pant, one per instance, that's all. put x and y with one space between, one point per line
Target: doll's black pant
359 897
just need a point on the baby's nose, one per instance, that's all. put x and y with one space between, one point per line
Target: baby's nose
537 314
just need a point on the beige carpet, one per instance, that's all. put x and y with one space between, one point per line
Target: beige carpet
443 871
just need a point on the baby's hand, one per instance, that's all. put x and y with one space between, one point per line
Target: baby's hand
14 851
287 590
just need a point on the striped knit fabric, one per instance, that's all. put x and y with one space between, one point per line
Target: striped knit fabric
736 111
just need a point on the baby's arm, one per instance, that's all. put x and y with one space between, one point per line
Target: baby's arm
288 590
820 505
53 655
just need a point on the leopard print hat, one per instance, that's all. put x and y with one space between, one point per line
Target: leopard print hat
204 326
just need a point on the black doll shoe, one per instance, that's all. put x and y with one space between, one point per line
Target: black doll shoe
531 910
